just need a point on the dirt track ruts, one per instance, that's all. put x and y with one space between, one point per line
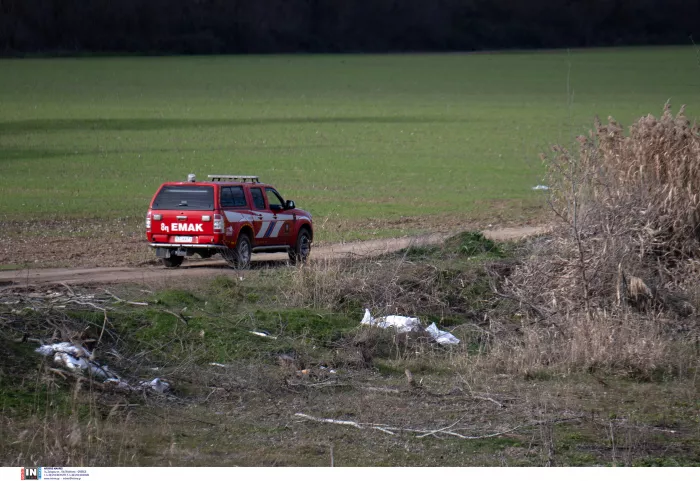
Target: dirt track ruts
196 267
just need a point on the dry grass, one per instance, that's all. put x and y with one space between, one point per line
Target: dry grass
504 380
527 317
629 345
396 284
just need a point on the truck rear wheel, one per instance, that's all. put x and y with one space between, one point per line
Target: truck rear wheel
173 261
239 257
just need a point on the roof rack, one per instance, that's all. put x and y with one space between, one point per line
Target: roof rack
235 178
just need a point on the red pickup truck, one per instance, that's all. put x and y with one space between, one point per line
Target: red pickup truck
232 215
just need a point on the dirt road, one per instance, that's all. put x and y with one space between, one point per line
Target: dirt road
196 267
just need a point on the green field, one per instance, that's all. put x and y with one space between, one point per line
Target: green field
348 137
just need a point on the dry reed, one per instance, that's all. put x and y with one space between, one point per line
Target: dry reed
618 276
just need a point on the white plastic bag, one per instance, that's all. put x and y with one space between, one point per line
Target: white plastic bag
441 337
67 347
408 324
400 323
74 358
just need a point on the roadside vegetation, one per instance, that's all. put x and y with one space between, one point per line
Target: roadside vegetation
274 368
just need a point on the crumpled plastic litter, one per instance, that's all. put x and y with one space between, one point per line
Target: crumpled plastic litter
408 324
540 187
400 323
67 347
157 385
74 358
262 334
77 358
441 337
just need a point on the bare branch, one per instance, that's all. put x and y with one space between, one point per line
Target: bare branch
179 316
119 299
431 432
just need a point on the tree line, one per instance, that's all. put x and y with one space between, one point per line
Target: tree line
266 26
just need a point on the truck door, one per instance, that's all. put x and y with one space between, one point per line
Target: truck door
284 223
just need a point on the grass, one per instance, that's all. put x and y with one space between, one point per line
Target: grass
241 410
10 267
348 137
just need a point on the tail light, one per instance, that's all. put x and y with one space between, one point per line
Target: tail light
148 221
218 224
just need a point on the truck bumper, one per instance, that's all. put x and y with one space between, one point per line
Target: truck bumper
166 250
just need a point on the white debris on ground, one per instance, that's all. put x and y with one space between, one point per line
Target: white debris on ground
78 359
74 358
400 323
540 187
157 385
262 334
409 324
441 337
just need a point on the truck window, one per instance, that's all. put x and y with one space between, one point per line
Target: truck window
233 197
274 199
176 197
258 199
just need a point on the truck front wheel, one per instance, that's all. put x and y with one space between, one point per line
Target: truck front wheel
299 254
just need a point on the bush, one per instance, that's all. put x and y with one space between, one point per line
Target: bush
616 283
475 243
627 206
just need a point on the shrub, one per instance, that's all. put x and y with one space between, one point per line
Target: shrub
627 206
615 284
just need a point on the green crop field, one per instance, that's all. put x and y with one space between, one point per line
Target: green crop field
349 137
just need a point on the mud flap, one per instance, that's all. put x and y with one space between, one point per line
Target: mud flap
166 253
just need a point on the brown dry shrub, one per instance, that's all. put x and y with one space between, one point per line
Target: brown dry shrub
392 285
621 343
616 283
626 205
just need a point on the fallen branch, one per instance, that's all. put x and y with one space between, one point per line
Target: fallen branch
486 398
72 293
441 430
329 421
179 316
119 299
380 389
104 325
322 384
421 433
82 303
